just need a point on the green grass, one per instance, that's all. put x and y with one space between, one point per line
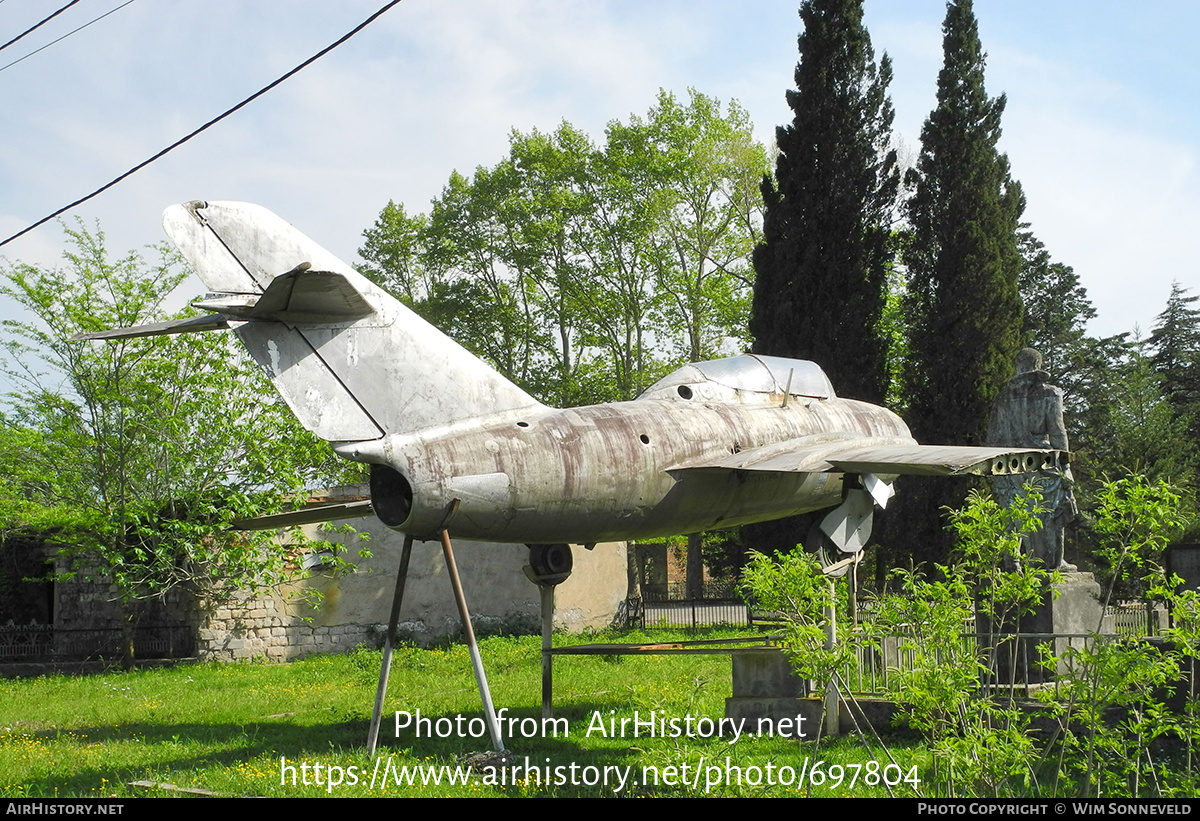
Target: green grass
225 727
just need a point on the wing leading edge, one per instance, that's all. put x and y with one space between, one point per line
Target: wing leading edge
892 456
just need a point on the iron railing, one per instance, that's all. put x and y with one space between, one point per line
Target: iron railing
669 605
43 642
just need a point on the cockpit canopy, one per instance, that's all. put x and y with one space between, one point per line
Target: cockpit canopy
750 372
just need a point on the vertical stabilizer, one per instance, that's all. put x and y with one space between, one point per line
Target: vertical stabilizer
351 361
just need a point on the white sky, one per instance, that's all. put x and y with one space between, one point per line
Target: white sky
1101 126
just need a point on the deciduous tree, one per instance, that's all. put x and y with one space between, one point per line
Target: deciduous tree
393 254
146 448
584 272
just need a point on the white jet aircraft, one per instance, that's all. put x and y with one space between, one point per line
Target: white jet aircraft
452 444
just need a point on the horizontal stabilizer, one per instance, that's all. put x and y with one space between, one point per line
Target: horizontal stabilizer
312 514
212 322
301 296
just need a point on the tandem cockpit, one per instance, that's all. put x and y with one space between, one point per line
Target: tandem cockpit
751 377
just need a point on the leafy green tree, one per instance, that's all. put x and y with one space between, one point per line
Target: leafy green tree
615 243
137 454
469 234
963 263
703 167
821 270
393 254
547 217
585 272
939 637
1135 520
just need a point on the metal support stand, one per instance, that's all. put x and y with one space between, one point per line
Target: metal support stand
476 661
388 645
831 691
547 592
854 591
549 566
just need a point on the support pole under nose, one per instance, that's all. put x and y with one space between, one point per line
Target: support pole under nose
547 593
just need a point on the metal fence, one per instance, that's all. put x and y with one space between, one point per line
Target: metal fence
694 613
668 605
1008 662
1132 619
42 642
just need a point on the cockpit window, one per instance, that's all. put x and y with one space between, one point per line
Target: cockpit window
755 373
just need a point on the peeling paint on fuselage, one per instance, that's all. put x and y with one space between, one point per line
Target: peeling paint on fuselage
619 471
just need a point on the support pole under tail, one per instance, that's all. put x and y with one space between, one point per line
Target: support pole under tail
388 645
489 711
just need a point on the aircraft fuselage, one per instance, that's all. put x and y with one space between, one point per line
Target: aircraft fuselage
616 471
714 444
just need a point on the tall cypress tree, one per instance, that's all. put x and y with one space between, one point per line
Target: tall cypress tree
821 270
963 261
963 306
820 273
1176 344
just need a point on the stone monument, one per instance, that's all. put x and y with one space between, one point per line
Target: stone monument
1028 413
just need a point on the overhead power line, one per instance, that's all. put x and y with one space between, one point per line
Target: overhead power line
65 36
208 124
36 26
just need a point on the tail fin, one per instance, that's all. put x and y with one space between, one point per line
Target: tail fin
352 362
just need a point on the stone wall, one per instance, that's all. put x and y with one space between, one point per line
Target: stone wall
356 606
269 627
88 617
280 625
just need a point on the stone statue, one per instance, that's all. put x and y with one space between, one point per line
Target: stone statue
1028 413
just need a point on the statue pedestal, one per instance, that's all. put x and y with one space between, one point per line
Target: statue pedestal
1070 609
1068 616
768 695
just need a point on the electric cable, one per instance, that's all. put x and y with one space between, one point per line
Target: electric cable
36 26
207 125
65 36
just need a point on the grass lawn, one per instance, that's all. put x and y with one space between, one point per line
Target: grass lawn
242 729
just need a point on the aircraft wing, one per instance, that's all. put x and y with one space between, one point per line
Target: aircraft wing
311 514
949 460
886 456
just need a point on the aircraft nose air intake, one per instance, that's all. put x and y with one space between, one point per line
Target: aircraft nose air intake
391 495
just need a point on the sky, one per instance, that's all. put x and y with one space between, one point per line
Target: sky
1102 126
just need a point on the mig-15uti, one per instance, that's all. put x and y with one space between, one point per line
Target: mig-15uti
453 444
